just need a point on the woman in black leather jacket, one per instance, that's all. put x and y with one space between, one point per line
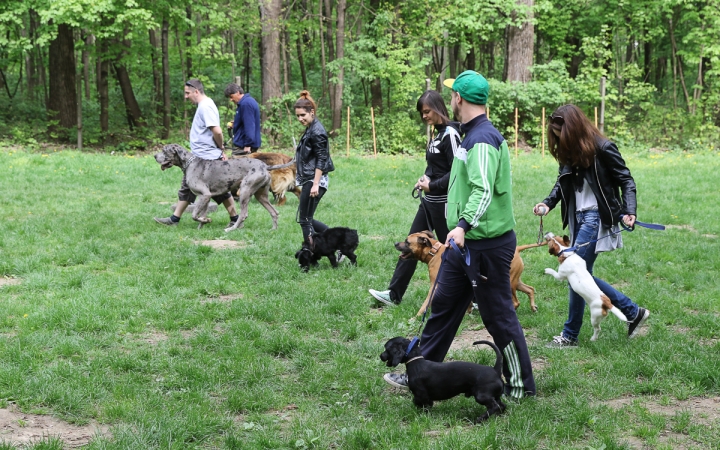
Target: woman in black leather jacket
596 191
312 158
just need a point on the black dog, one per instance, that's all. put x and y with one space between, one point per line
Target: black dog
328 243
431 381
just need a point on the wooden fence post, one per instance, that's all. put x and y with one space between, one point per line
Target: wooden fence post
372 119
596 117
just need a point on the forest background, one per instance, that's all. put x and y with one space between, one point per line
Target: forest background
112 71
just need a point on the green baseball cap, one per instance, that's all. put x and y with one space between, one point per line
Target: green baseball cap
471 86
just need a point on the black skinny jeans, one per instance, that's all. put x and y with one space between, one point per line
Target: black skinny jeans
405 268
306 211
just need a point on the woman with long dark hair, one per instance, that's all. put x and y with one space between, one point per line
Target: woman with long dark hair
596 191
312 158
434 183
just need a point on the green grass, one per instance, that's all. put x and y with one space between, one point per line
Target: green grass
124 321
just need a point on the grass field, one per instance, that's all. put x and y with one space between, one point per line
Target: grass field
108 317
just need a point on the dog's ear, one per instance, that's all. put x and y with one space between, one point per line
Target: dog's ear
566 241
424 241
552 247
428 233
395 349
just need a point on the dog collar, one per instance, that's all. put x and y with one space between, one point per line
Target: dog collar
189 160
410 347
413 359
435 248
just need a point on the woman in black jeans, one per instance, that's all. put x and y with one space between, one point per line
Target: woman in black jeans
312 158
434 183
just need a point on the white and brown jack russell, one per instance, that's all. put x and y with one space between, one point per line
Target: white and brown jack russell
574 270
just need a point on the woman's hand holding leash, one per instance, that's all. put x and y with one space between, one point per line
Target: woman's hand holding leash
315 190
629 220
541 209
423 183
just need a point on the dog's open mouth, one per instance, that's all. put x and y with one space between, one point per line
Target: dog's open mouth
406 255
166 165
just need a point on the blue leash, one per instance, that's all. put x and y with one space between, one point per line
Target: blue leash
652 226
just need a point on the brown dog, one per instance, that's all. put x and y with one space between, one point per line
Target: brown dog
282 180
424 247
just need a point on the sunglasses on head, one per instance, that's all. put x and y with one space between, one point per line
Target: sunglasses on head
558 120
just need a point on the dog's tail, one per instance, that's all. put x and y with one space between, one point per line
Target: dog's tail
525 247
282 166
498 360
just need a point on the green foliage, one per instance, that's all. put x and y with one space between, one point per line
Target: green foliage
176 345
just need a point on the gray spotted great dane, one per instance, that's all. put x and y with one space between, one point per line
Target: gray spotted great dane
208 178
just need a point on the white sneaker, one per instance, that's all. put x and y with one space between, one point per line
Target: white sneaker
383 297
398 380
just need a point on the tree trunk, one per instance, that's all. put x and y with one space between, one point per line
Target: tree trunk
89 40
339 54
247 65
575 59
330 57
470 60
647 61
270 18
286 64
26 32
376 95
521 40
188 44
301 61
132 109
679 65
62 104
157 78
454 60
323 60
164 37
103 67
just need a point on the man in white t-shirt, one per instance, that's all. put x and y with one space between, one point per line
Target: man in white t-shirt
206 142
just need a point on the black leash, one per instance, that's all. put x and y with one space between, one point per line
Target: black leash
418 193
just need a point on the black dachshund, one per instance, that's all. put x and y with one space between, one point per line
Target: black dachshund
328 243
431 381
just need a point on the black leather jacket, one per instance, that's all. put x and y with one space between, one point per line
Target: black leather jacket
313 152
607 176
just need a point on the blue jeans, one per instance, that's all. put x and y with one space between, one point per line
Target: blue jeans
586 230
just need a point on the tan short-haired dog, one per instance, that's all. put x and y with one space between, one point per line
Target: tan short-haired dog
424 247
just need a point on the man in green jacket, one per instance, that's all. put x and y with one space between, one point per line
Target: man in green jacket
480 217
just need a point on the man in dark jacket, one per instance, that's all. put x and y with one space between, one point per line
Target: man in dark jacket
246 125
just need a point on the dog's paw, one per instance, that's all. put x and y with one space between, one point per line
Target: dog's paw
550 271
